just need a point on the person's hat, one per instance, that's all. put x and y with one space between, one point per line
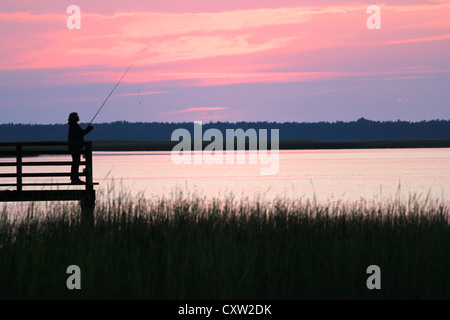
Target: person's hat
73 117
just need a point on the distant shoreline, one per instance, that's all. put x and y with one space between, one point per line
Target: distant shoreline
136 145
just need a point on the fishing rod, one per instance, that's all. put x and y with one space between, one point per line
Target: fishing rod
110 94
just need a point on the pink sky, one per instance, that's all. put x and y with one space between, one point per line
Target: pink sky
198 50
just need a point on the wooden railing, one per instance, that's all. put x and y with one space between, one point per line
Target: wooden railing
19 155
20 150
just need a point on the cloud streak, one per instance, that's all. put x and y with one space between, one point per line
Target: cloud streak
416 40
151 38
142 93
198 109
221 46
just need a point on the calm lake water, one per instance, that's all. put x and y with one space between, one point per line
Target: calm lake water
325 174
329 175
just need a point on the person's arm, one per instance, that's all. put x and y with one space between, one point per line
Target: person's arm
87 130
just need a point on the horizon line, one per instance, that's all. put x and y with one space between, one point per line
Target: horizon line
230 122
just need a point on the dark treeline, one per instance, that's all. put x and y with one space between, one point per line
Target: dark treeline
360 130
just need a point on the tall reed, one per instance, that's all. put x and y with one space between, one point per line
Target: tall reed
188 247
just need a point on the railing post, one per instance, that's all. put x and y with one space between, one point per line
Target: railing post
88 159
88 201
19 166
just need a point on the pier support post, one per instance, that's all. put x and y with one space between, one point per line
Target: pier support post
87 204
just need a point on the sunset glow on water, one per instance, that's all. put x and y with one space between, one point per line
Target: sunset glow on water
325 174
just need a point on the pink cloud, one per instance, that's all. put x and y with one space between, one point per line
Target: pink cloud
142 93
200 109
215 47
414 40
204 114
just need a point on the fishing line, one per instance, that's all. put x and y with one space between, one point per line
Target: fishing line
110 94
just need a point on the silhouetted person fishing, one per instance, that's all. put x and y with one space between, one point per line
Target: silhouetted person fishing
76 140
76 136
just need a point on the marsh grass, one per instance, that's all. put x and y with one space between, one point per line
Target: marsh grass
188 247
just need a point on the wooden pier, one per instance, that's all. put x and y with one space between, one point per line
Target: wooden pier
16 156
